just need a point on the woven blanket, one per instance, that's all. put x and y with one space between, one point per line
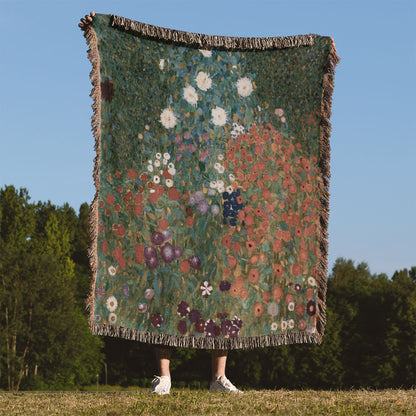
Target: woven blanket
209 223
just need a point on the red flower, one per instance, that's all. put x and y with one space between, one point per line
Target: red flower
253 275
277 293
110 199
296 269
278 270
258 309
131 173
139 253
250 245
107 90
163 224
173 194
226 241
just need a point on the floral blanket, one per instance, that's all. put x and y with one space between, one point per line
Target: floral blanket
212 172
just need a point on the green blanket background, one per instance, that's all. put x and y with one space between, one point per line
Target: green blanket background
212 170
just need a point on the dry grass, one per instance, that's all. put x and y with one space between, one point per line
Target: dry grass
199 402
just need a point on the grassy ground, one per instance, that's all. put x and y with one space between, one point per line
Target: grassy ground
201 402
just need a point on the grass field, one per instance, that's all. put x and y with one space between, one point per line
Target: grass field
201 402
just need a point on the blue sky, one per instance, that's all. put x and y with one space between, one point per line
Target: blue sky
46 145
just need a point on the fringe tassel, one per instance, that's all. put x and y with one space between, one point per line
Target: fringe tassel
325 149
202 342
209 41
94 57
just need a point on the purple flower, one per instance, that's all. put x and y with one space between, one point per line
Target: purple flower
152 263
226 327
234 331
166 235
200 326
222 315
100 292
192 200
199 196
182 327
126 291
178 139
157 320
211 329
182 147
311 308
178 252
194 316
203 207
298 287
150 252
167 253
183 309
195 262
215 209
225 285
157 238
191 148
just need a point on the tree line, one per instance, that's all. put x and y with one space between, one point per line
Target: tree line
45 342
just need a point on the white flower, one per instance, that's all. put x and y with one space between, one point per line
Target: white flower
279 112
244 87
166 155
220 188
168 119
171 165
161 171
150 162
169 183
217 165
221 169
203 80
213 184
232 177
156 179
112 270
161 64
158 156
111 303
311 281
273 326
152 191
206 289
220 183
283 119
273 309
112 317
219 116
291 323
230 189
284 325
190 95
165 161
220 157
211 192
291 306
157 163
206 53
150 168
172 171
237 130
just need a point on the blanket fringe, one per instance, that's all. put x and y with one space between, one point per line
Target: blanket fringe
203 342
94 57
325 149
210 41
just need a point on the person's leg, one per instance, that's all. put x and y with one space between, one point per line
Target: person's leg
218 363
219 381
162 383
163 361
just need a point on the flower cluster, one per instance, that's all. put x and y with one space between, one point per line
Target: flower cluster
233 203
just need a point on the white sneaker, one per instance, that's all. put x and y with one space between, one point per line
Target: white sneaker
161 385
223 385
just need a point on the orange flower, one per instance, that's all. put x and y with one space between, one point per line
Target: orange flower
266 296
258 309
139 253
234 291
227 272
309 293
236 246
289 298
240 199
277 293
303 255
254 259
189 221
300 309
262 258
138 209
110 199
253 275
277 246
249 219
163 224
243 293
260 184
254 198
266 194
287 235
296 269
131 173
173 194
239 281
121 231
160 190
298 232
292 188
184 266
274 147
250 245
241 215
278 270
231 261
226 241
250 232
